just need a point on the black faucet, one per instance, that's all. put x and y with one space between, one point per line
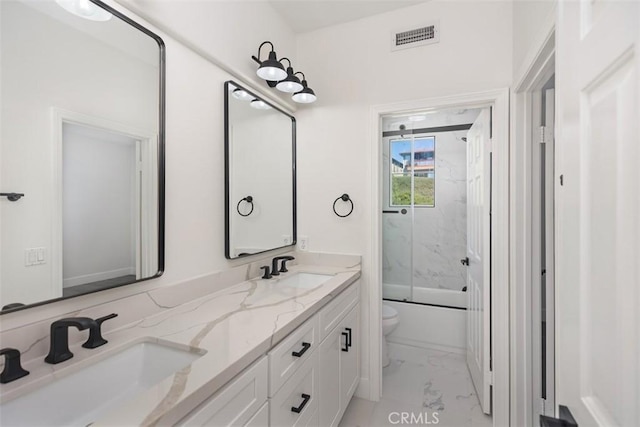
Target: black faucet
59 347
274 265
283 266
12 368
266 274
95 332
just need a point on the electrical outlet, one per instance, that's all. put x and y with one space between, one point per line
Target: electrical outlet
286 239
303 243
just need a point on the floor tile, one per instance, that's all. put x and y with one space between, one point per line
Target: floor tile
421 387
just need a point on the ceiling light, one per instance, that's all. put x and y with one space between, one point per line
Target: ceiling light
306 95
85 9
270 69
417 118
259 104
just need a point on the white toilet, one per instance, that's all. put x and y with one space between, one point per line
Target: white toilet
389 323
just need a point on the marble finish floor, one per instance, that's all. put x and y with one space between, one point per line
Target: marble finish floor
429 384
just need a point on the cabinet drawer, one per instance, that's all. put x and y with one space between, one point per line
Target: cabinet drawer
261 418
236 403
291 353
331 315
296 403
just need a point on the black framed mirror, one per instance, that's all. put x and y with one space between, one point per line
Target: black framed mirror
260 174
83 105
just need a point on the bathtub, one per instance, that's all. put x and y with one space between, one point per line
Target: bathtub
432 296
437 318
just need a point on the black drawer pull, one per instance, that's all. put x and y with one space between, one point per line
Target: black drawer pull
305 346
346 341
349 337
305 400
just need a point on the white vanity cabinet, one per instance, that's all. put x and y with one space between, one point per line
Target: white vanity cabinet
339 368
242 402
306 380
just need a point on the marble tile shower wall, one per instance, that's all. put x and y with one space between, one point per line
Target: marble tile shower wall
435 238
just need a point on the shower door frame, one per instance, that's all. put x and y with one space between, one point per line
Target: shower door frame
499 100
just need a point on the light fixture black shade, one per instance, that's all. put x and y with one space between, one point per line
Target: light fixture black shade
290 84
305 96
271 69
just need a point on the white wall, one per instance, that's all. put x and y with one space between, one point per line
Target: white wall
528 15
351 68
226 32
40 71
99 214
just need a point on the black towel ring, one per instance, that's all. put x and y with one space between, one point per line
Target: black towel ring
345 198
247 199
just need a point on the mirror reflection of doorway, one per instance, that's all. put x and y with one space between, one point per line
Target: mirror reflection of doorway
103 176
100 213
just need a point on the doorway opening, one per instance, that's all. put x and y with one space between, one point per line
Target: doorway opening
112 240
497 305
543 249
100 199
436 168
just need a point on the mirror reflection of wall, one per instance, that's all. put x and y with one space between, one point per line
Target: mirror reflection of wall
80 130
261 157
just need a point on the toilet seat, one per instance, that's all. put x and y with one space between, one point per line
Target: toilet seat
388 312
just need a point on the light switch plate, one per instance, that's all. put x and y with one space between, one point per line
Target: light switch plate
35 256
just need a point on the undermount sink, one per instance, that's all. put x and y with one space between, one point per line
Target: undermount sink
90 393
304 280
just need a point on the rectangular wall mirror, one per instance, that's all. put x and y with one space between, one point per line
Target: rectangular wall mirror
81 151
260 167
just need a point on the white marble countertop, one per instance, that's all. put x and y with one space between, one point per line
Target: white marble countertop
235 326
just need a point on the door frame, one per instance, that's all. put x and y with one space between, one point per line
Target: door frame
499 100
538 67
61 116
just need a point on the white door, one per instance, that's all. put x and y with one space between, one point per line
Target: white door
478 253
598 198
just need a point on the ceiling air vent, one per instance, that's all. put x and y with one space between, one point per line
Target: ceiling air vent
427 34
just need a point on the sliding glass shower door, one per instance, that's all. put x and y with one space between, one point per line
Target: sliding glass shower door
410 168
397 221
424 215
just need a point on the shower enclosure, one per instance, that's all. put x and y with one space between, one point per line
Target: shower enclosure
425 209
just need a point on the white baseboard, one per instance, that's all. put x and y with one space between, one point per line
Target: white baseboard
96 277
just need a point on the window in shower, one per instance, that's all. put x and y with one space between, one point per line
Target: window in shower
412 172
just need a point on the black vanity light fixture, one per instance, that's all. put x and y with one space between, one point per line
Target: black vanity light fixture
259 104
287 81
306 95
291 83
241 94
270 69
